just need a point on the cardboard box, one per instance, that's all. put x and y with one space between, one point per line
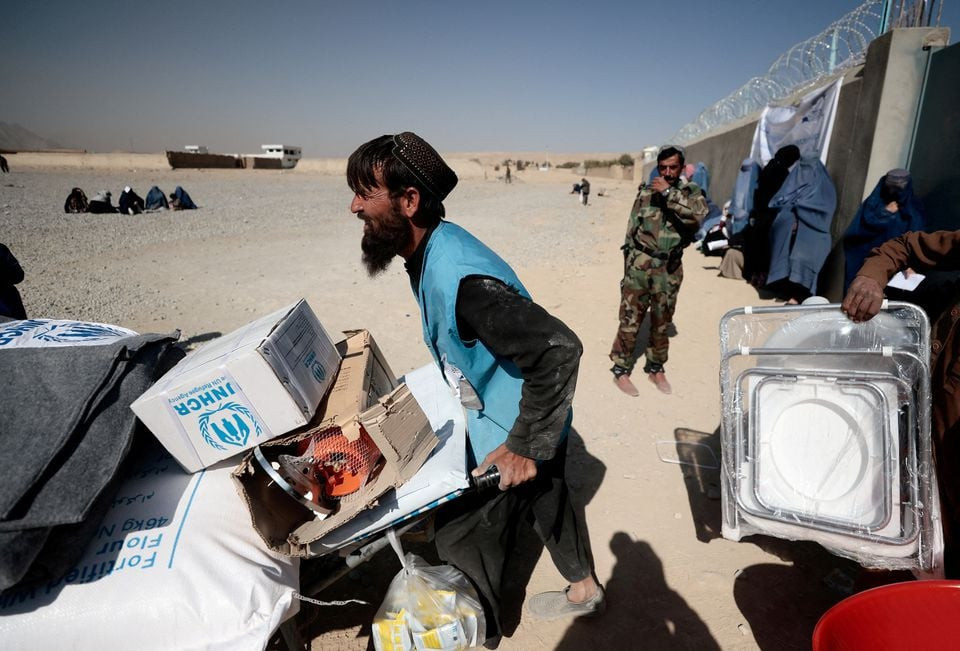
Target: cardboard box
237 391
365 395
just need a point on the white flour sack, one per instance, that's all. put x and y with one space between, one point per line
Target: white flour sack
175 564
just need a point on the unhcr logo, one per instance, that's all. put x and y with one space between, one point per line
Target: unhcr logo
228 425
316 368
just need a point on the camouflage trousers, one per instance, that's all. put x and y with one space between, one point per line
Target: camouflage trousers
646 285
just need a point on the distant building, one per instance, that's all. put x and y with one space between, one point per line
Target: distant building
288 154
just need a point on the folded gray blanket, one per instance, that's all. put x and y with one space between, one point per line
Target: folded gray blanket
65 427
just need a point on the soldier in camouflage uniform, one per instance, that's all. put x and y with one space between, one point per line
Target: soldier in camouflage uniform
665 215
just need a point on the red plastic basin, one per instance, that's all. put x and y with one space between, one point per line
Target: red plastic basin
910 615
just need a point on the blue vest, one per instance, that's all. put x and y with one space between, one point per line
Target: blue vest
451 255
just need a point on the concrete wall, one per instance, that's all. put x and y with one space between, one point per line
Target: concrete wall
876 113
935 161
79 160
618 172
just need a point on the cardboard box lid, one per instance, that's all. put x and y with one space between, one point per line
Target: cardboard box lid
363 377
296 348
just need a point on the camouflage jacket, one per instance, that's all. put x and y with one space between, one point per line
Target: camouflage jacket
648 228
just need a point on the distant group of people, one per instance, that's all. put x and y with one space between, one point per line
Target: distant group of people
129 203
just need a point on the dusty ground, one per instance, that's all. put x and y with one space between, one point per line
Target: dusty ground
263 239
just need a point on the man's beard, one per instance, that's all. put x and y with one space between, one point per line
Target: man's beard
384 240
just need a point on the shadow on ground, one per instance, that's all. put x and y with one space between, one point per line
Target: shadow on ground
643 612
781 602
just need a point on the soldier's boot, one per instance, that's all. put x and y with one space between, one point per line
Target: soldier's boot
659 379
621 377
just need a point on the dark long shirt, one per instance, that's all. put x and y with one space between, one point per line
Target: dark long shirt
923 251
542 347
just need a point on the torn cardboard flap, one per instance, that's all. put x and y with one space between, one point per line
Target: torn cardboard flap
364 376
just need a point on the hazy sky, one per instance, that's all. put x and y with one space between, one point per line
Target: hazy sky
480 75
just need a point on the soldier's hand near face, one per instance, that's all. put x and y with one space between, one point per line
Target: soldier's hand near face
863 299
659 184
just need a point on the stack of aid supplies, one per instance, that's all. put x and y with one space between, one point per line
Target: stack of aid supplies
279 389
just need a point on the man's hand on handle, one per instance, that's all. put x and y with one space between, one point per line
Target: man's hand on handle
514 468
863 299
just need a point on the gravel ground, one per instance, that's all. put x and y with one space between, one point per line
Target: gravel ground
258 241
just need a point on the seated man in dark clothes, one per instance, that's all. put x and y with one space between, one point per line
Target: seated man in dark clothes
102 203
130 202
11 273
76 202
514 368
3 165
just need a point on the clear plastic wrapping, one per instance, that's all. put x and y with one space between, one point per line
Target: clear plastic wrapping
428 607
826 432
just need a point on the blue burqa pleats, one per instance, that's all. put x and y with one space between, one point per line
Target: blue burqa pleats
800 233
701 176
741 203
156 199
184 202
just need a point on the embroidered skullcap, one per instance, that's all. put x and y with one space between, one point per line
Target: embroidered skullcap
425 163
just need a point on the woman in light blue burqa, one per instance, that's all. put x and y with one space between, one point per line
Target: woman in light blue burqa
890 211
800 233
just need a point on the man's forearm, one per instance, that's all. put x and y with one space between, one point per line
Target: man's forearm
546 352
916 249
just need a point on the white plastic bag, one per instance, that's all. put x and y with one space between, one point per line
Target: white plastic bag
428 607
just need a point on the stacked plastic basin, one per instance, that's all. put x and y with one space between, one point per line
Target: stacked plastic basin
826 432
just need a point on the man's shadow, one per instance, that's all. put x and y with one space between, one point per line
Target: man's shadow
584 474
642 610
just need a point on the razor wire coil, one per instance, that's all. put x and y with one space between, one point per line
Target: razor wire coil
839 47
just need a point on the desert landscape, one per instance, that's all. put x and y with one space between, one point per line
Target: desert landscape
262 239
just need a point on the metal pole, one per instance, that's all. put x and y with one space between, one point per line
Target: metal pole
833 52
885 16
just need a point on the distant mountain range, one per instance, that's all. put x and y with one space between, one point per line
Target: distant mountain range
15 137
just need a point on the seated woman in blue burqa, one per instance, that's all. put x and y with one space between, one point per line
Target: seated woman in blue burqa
800 233
890 211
